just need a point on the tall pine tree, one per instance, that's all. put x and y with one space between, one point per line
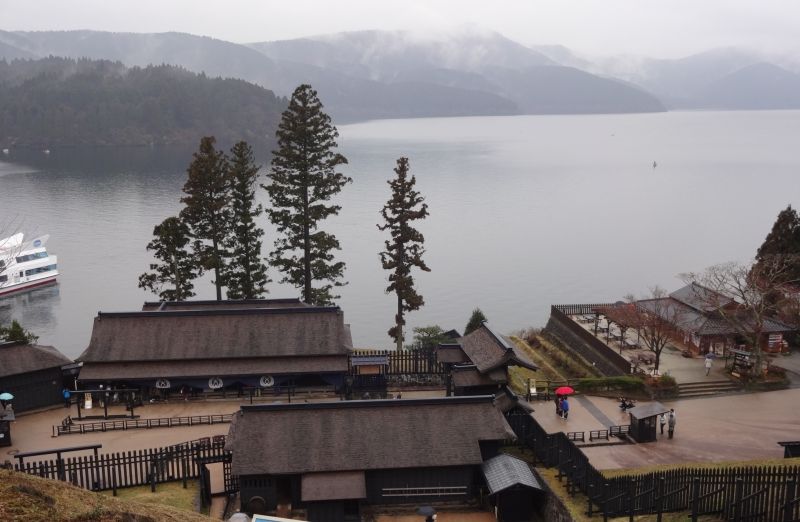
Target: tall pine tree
245 273
475 321
207 212
171 279
404 250
783 244
302 179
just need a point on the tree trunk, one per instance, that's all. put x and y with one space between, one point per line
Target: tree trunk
306 251
399 322
217 281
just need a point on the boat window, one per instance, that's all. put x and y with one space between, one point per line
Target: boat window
39 270
3 278
28 257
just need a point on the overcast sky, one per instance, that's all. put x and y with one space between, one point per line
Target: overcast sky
665 28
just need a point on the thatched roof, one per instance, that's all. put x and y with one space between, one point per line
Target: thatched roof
363 435
451 353
152 306
213 368
232 332
488 350
468 376
17 358
701 298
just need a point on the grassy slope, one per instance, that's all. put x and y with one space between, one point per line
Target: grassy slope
29 498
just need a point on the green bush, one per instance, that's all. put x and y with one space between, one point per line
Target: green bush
666 381
608 383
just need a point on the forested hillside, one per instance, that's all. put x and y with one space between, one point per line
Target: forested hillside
60 101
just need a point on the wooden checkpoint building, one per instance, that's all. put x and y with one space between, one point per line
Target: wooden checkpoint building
478 362
269 345
32 374
332 458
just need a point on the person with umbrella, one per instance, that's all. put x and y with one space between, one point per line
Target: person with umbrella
562 403
4 398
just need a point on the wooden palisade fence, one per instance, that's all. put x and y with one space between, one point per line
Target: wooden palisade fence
745 493
406 362
133 468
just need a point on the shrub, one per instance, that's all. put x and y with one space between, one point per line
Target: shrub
625 383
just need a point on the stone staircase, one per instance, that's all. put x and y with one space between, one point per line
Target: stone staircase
706 388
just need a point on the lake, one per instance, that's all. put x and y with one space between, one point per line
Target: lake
526 211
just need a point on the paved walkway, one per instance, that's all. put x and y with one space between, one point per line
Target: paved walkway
744 426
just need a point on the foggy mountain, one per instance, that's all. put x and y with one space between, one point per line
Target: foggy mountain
364 75
759 86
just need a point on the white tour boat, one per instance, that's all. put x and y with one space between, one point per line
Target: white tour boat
24 266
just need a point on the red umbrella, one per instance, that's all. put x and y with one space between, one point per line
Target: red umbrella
564 390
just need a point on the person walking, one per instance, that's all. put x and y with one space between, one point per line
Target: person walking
709 360
565 407
558 406
671 422
662 420
66 394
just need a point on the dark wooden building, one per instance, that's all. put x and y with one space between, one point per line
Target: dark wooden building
478 362
644 420
32 374
206 345
513 489
330 458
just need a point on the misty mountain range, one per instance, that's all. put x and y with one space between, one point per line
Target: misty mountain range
395 74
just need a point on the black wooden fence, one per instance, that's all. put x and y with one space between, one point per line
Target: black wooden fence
132 468
68 425
405 362
747 493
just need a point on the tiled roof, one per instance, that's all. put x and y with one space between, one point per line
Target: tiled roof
505 471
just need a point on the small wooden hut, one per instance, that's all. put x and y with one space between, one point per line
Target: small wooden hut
644 421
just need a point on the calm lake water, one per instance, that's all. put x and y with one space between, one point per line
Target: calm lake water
526 211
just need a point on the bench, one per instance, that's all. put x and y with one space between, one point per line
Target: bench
576 436
598 434
619 431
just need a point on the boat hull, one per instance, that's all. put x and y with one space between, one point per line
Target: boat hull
28 285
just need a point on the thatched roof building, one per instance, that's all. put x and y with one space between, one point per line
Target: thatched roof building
479 361
31 373
240 342
384 451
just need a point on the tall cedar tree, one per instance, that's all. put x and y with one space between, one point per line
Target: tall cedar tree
303 178
177 268
783 242
475 321
207 212
404 250
246 274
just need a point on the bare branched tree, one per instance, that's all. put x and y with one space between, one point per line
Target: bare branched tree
658 318
758 294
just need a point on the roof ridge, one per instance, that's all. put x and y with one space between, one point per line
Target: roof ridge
229 311
428 401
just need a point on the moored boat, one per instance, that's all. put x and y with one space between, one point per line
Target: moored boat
25 265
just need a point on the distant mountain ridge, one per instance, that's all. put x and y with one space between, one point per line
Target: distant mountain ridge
367 74
65 102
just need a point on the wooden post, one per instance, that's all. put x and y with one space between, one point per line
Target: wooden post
788 504
605 502
589 495
660 497
114 480
737 500
631 494
152 477
695 498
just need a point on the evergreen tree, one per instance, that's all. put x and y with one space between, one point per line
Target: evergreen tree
246 274
404 250
475 321
206 211
177 268
783 243
16 333
302 180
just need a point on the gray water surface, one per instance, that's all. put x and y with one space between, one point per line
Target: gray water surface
526 211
